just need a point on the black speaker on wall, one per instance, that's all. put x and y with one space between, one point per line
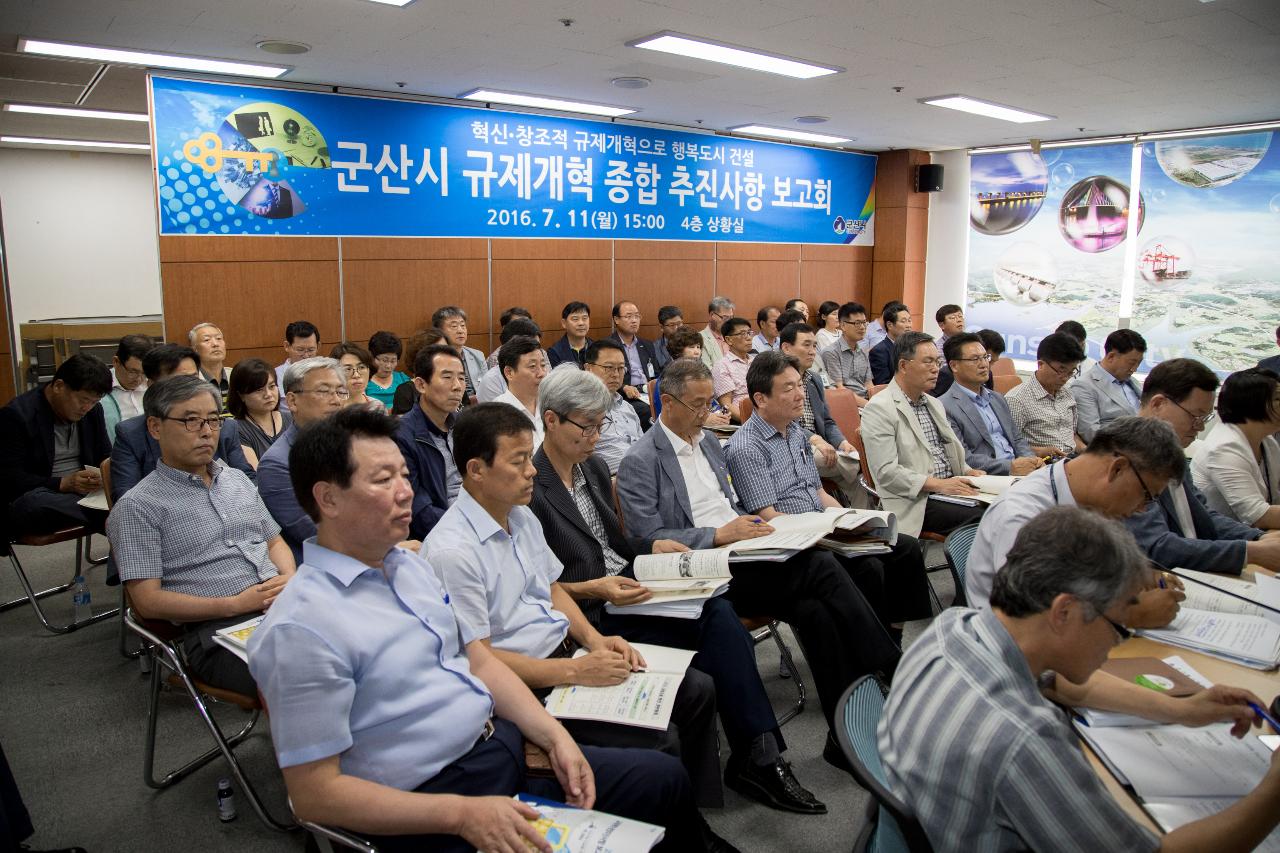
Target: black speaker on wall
929 178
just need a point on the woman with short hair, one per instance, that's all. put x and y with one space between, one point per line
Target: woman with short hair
1238 466
252 399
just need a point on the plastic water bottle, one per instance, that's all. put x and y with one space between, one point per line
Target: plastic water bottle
226 801
80 601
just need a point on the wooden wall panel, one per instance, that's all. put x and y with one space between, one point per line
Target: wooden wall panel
754 283
271 355
191 249
400 295
413 248
898 280
833 252
839 282
552 250
545 286
654 283
663 250
758 251
251 302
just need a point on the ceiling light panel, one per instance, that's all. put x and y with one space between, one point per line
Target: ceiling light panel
148 59
784 133
964 103
74 112
728 54
543 102
77 143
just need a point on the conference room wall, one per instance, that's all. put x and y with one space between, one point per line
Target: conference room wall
253 286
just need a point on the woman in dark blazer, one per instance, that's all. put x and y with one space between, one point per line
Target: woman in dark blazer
573 500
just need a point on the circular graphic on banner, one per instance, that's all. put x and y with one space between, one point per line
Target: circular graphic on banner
1025 274
1062 175
1165 260
1093 214
1274 204
254 151
1007 191
1213 161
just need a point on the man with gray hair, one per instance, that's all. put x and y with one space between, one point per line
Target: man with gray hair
211 346
1129 462
313 388
714 345
193 541
452 323
970 738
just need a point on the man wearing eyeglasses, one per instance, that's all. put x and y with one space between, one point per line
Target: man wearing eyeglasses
846 361
1129 462
1109 391
1179 529
1043 409
193 540
641 360
729 376
980 416
301 340
128 382
719 309
621 427
896 318
313 388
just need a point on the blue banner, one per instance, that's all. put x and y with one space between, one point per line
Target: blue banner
234 159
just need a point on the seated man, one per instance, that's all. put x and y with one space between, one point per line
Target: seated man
425 435
767 323
912 452
621 428
301 340
950 320
979 416
846 363
128 382
729 376
1043 409
774 473
670 321
897 322
993 343
211 348
388 718
575 319
523 367
1014 776
1109 391
674 484
493 384
1178 529
504 318
1115 477
50 438
490 554
193 542
452 323
135 451
714 346
313 388
573 499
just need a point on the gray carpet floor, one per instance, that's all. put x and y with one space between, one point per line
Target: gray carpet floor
73 720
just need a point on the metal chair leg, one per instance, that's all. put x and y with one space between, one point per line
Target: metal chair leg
124 633
785 652
34 597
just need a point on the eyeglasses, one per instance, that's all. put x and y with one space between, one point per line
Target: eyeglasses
629 317
673 324
857 324
131 373
1123 632
303 352
608 368
1062 371
978 358
1197 421
355 369
194 423
723 317
1146 493
697 410
745 333
390 360
590 430
340 393
930 362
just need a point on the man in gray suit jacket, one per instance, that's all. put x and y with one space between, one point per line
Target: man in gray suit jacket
1178 529
1108 390
674 484
979 416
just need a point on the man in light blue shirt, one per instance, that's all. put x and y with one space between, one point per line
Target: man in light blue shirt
1108 390
980 417
383 705
490 552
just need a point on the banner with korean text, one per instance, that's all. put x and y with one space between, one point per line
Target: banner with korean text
236 159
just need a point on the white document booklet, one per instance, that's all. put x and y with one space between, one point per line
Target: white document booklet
645 699
1251 641
571 830
680 583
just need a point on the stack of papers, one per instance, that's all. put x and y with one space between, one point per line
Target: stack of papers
1251 641
571 830
680 583
991 488
645 699
236 638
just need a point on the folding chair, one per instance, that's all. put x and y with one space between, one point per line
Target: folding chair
162 641
84 560
762 628
957 548
1003 366
1005 384
858 715
327 836
745 408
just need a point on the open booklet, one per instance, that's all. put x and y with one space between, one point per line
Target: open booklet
1251 641
645 699
680 583
1226 594
792 533
572 830
236 637
991 488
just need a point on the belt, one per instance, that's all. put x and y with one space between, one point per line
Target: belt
487 732
564 649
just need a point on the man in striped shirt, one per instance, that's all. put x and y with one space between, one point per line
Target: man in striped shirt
970 739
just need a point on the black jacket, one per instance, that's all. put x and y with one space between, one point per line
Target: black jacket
648 359
26 444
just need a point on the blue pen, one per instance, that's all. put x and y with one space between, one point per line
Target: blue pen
1160 580
1261 712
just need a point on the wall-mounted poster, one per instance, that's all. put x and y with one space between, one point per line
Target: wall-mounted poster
1046 242
1208 276
241 159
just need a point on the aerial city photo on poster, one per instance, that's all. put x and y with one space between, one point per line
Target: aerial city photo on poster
1047 244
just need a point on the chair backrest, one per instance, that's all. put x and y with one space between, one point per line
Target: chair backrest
1005 384
957 546
844 410
617 504
858 716
745 408
856 440
1002 366
873 390
106 480
653 398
